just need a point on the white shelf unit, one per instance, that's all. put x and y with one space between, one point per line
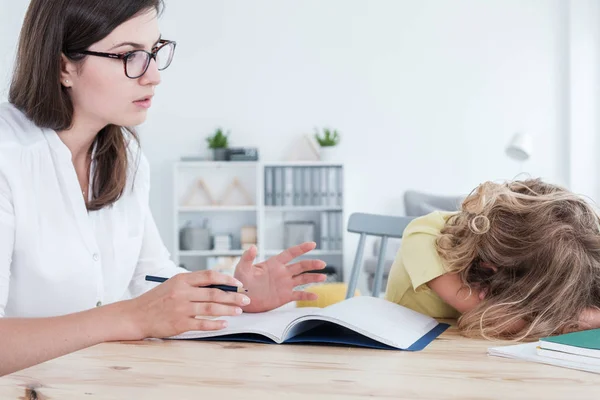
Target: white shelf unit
209 253
216 208
231 216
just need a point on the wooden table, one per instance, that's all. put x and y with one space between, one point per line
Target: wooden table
451 367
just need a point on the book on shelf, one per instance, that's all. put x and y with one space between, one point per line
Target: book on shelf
269 183
304 186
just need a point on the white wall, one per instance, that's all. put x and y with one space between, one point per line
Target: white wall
426 93
12 13
584 97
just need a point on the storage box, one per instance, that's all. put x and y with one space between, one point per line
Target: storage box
194 238
296 232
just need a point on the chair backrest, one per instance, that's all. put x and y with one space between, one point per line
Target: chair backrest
383 226
420 203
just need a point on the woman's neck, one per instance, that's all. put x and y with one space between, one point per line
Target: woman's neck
80 137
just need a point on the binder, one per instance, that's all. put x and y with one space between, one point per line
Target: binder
316 186
340 230
269 186
324 180
278 186
332 186
340 186
332 230
324 231
288 184
298 187
306 192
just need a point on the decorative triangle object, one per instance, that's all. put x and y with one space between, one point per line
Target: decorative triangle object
199 185
236 184
305 148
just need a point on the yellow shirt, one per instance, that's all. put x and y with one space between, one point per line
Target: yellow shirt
417 263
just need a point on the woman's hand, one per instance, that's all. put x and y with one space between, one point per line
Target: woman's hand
171 308
271 283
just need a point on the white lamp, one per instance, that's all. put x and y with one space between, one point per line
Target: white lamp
520 147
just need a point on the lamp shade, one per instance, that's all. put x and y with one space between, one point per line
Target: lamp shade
520 147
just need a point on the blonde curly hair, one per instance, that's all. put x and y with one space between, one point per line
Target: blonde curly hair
544 244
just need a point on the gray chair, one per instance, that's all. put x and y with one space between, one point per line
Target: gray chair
384 227
420 203
415 204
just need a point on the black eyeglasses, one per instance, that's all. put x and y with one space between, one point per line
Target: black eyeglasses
136 62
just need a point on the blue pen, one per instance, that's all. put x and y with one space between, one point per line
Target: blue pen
226 288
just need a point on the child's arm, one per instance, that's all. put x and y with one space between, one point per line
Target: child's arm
452 291
589 319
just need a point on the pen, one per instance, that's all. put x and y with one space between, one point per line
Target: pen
226 288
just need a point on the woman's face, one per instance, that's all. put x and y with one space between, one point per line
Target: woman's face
101 92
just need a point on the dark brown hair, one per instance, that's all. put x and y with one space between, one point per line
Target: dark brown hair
544 242
55 27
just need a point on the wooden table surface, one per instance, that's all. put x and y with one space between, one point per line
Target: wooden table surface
452 367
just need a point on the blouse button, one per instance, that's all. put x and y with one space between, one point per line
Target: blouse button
96 257
98 304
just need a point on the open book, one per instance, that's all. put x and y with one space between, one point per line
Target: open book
359 321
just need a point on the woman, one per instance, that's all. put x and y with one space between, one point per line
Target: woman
76 233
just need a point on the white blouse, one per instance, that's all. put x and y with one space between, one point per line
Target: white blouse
55 256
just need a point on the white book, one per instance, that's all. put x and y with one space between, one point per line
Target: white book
528 352
568 356
359 321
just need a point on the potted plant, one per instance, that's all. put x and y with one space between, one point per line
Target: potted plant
327 142
218 143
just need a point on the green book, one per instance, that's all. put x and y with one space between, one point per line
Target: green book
584 343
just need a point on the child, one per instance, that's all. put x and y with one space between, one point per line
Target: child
519 261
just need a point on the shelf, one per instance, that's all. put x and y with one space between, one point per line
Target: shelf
269 220
302 164
210 253
316 252
303 208
216 208
217 164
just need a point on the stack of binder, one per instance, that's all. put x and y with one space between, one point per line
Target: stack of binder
304 186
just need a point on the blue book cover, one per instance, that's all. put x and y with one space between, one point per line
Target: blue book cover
361 321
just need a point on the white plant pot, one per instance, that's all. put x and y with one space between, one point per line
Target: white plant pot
327 153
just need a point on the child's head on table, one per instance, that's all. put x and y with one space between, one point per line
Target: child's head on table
532 251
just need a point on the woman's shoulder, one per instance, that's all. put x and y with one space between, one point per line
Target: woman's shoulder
20 140
16 130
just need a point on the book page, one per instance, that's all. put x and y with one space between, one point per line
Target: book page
378 319
271 324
